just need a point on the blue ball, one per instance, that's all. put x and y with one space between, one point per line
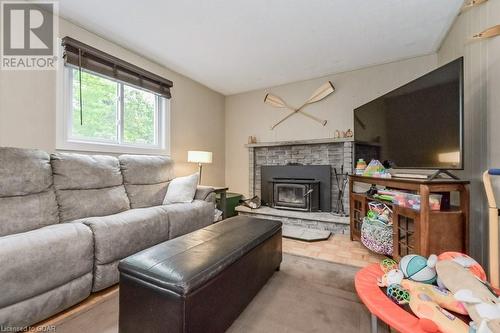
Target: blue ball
416 268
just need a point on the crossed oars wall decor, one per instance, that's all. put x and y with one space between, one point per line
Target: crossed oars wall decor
320 93
488 33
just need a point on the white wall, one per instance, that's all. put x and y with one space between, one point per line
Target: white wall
482 107
28 109
246 113
204 120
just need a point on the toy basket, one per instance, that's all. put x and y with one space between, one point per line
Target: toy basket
376 236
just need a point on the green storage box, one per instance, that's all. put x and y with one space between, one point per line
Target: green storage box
232 200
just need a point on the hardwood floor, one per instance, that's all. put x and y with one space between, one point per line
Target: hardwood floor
86 305
338 248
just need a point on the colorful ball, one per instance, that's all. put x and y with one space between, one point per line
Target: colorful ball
466 261
398 294
418 268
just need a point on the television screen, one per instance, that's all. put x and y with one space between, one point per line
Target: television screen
419 125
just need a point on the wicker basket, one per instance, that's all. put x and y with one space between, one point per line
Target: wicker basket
377 236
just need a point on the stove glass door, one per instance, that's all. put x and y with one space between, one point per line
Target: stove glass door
292 196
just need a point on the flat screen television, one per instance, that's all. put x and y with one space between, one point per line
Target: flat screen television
416 126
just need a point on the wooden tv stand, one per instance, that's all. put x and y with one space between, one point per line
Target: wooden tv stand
421 232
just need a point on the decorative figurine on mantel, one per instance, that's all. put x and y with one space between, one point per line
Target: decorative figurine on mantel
343 134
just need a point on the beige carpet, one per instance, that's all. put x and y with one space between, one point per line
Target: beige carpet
307 295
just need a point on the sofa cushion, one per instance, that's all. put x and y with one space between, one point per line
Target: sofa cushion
146 178
82 172
182 189
28 212
120 235
88 185
37 261
105 275
141 196
24 171
27 199
42 306
142 169
187 217
78 204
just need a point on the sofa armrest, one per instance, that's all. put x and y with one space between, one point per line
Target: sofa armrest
205 193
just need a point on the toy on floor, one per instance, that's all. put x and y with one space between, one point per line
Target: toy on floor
424 307
469 292
398 294
388 264
465 261
418 268
442 297
482 305
394 276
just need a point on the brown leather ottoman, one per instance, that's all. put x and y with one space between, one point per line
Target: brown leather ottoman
199 282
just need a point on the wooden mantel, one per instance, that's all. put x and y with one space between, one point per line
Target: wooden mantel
298 142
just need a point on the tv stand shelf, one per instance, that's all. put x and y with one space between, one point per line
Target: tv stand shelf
421 231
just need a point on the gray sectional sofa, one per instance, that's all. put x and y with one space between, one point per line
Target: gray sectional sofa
67 219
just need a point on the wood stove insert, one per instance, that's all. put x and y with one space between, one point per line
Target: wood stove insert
297 187
295 194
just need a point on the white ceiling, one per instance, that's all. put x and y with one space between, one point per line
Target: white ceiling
234 46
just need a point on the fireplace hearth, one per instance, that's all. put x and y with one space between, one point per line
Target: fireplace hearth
289 157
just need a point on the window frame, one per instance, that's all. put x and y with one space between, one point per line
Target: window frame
66 141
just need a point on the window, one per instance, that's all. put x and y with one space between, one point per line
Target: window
100 113
113 112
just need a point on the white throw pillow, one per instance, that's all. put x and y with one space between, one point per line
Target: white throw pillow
181 189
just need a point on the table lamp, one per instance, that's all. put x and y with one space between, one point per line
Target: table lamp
199 157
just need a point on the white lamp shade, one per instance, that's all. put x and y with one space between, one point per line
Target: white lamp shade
199 156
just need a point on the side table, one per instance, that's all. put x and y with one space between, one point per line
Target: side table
222 205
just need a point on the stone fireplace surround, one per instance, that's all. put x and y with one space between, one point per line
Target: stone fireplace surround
333 152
